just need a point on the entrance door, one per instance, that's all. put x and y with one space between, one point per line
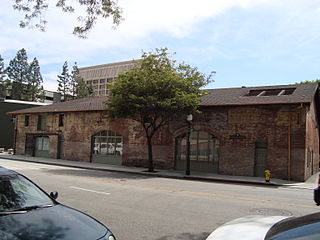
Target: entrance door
29 148
60 147
260 159
42 146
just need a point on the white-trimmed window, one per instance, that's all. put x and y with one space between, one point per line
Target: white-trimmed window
107 143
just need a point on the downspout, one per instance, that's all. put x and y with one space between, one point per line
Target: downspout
15 134
289 147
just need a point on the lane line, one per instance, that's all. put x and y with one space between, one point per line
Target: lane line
167 189
89 190
214 195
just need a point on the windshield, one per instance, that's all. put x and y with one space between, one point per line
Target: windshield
305 227
17 193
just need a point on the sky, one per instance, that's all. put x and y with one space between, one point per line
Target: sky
246 42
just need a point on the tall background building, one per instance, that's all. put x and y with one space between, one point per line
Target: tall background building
101 76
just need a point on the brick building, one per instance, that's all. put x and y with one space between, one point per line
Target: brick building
241 131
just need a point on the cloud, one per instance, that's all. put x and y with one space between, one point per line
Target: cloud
203 31
50 81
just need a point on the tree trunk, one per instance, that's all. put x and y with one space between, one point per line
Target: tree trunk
150 159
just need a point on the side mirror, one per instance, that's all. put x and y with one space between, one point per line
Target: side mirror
54 195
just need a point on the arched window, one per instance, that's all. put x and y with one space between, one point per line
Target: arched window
107 143
203 147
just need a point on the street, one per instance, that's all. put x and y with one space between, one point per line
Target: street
140 207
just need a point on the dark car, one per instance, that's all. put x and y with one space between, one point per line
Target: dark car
27 212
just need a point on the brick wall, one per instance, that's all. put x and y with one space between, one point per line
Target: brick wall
289 132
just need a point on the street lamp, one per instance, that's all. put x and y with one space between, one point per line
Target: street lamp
189 120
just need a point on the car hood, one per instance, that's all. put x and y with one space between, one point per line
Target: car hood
56 222
250 228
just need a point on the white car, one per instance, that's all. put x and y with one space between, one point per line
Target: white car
260 227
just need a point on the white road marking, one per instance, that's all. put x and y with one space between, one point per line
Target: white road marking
88 190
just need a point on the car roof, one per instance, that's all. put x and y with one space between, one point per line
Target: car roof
5 171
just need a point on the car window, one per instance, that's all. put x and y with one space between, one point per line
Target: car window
17 192
309 231
305 227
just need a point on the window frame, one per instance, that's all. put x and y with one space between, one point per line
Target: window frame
61 120
107 142
42 122
26 120
211 143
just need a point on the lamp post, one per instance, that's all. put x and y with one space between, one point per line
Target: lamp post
189 120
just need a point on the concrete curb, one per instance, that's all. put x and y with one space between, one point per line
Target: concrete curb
145 173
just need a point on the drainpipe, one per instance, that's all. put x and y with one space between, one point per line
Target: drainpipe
15 134
289 147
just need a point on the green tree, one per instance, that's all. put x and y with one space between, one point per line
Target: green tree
310 81
17 72
34 81
74 79
95 9
156 91
83 90
2 70
79 88
2 79
64 85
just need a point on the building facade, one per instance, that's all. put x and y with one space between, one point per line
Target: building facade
101 76
48 96
7 132
240 131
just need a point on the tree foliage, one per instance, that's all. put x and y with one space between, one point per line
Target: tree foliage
34 82
311 81
24 80
155 91
2 79
79 87
64 82
17 72
2 70
72 85
95 9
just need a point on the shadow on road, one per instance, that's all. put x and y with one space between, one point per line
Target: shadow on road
96 173
184 236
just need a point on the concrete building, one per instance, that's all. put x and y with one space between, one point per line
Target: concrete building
240 131
49 96
7 121
101 76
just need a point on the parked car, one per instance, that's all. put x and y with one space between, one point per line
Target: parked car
27 212
270 228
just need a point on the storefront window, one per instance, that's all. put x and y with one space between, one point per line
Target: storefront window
107 143
203 147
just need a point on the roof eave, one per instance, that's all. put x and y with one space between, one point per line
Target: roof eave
60 111
253 104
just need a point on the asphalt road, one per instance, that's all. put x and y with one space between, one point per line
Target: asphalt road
138 207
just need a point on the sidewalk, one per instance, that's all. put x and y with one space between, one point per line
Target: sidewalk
311 183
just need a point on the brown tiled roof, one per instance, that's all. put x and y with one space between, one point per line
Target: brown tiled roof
78 105
303 93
